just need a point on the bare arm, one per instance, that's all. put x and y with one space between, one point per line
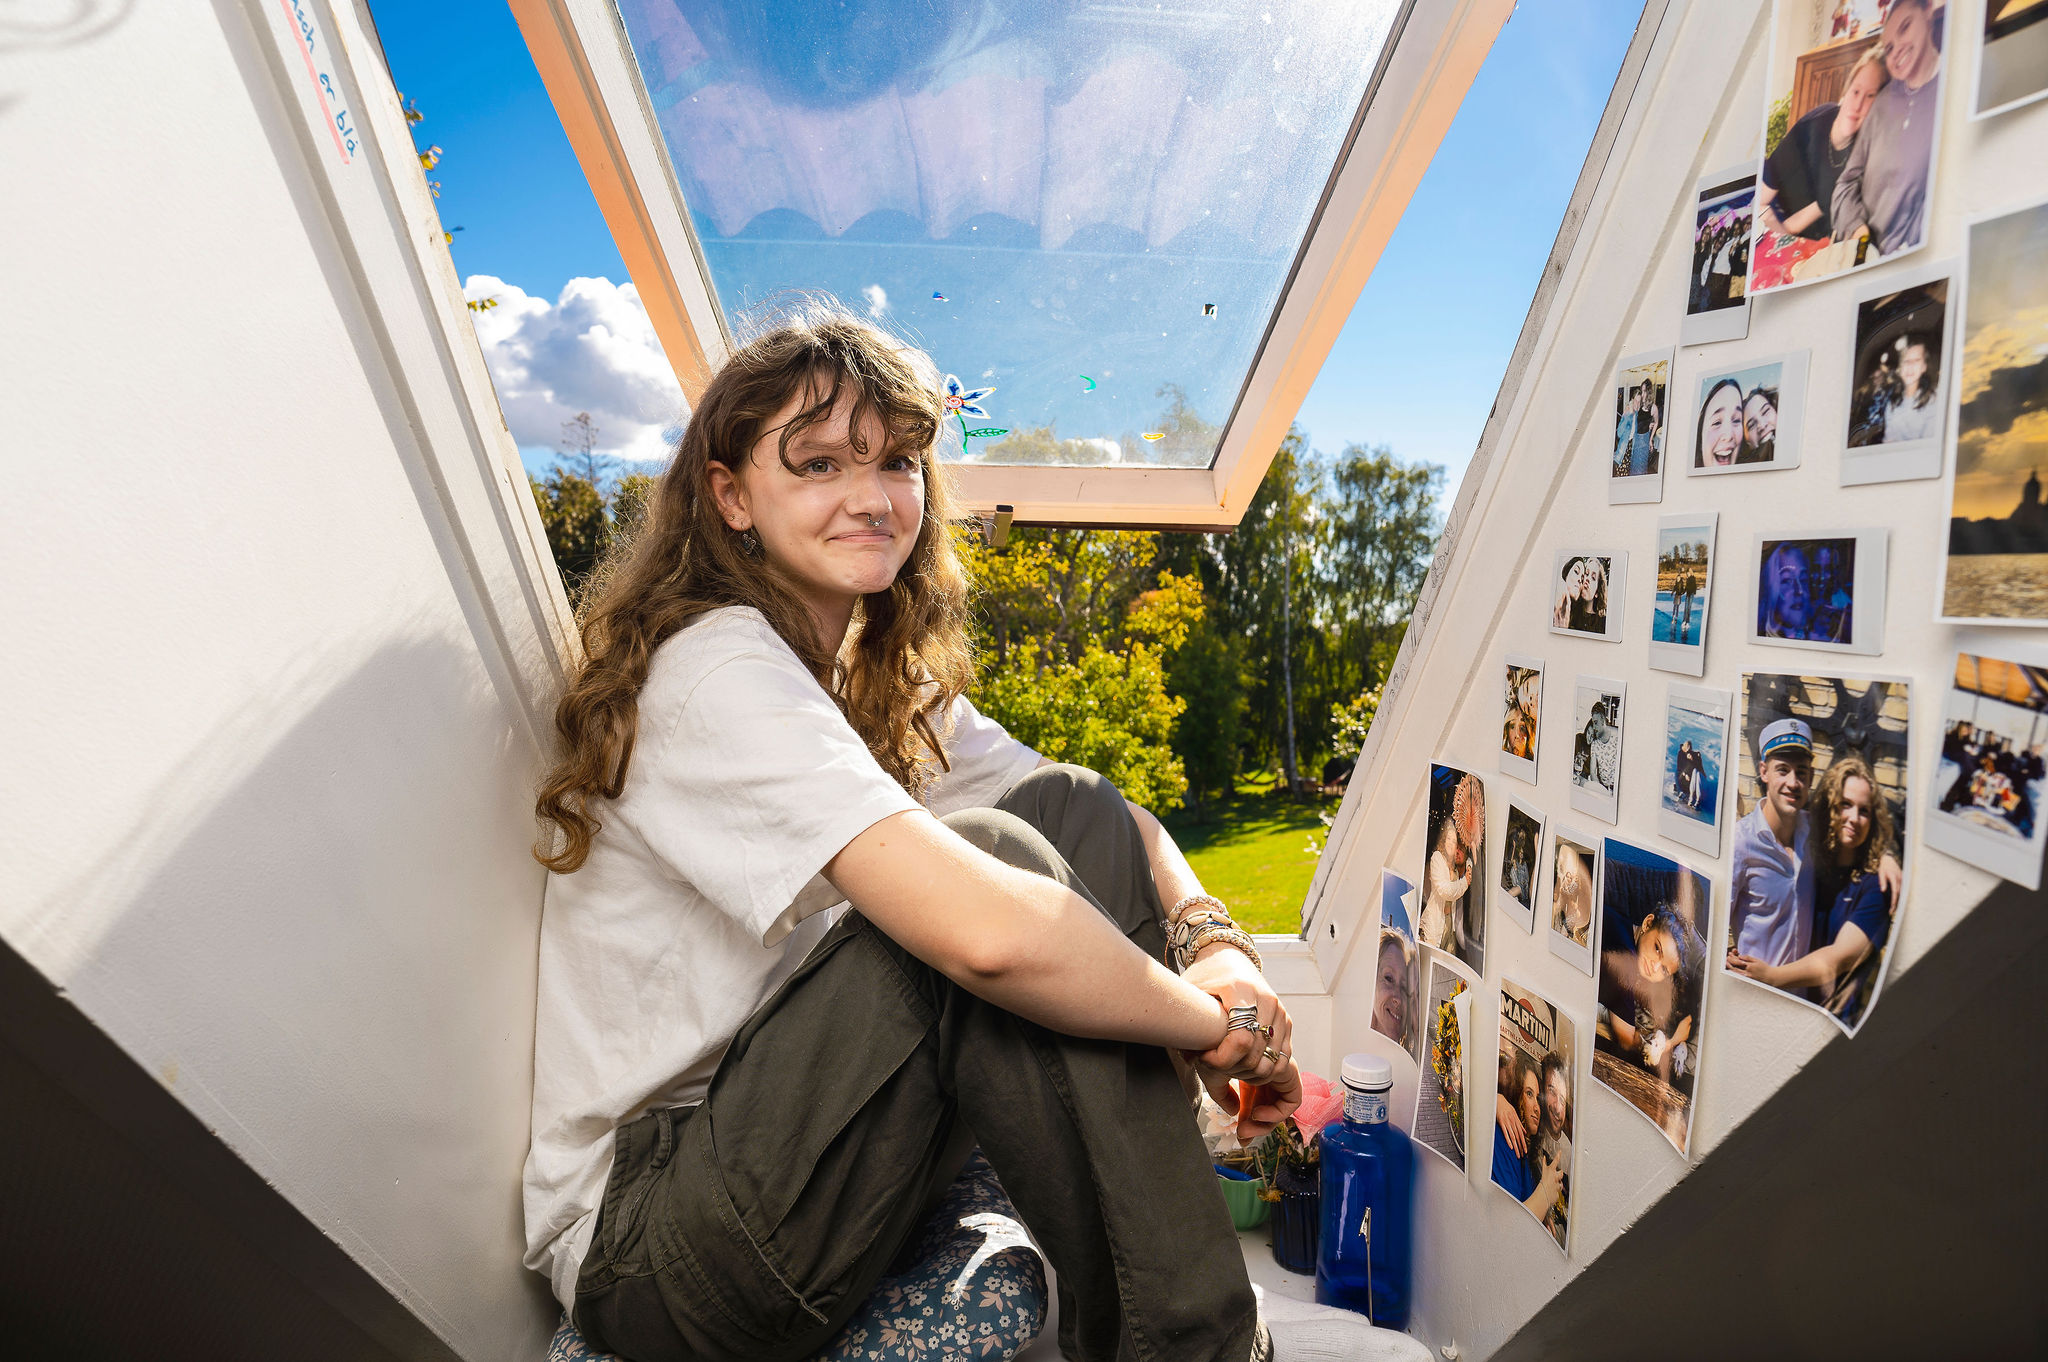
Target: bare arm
1019 940
1816 969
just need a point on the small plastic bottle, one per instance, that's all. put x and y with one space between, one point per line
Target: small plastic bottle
1368 1230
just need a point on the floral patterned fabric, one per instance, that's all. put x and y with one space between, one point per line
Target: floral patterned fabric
967 1284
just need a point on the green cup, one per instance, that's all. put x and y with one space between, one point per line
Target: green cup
1241 1194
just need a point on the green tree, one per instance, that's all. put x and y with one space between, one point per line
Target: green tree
1208 672
1382 527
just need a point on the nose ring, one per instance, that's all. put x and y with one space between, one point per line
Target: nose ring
874 522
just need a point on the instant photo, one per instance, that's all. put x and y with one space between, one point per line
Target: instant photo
1984 805
1654 917
1820 834
1996 569
1397 981
1587 588
2012 59
1851 118
1685 588
1521 858
1521 715
1642 410
1453 916
1695 766
1536 1081
1596 746
1747 417
1820 589
1717 287
1439 1123
1898 393
1574 884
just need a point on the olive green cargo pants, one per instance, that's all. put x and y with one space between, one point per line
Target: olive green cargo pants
749 1228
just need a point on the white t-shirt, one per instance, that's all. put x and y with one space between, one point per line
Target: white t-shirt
702 893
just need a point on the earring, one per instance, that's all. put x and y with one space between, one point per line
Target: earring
750 543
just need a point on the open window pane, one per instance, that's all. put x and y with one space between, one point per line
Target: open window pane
1091 209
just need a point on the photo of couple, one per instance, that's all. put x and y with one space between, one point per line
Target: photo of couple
1816 872
1747 417
1654 915
1453 915
1993 774
1588 590
1532 1136
1642 392
1821 592
1851 120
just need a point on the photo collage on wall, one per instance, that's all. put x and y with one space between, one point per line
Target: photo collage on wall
1786 797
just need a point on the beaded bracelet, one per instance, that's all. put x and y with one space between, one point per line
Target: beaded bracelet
1174 913
1228 934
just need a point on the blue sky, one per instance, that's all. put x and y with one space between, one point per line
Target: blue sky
1416 368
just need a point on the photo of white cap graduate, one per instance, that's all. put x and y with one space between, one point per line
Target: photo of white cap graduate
1985 800
1647 1028
1852 117
1397 979
1532 1128
1815 873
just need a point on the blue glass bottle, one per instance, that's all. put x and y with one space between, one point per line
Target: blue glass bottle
1368 1230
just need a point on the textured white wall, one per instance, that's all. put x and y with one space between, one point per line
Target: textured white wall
276 641
1484 1266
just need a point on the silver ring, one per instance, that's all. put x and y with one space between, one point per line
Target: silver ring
1275 1055
1241 1024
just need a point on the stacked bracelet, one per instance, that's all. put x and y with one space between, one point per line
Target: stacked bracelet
1195 930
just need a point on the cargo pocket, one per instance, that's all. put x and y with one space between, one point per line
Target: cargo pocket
828 1118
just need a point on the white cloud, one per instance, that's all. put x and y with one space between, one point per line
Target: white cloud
878 299
593 349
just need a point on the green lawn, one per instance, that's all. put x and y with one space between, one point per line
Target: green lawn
1252 853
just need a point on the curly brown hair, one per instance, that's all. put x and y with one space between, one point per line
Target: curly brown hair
907 653
1828 811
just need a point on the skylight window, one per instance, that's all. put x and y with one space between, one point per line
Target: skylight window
1135 229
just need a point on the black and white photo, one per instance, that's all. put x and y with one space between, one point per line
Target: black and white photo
1597 705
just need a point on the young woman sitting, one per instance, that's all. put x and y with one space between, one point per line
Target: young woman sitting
747 1095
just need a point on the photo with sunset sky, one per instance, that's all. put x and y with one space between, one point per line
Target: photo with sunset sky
1998 527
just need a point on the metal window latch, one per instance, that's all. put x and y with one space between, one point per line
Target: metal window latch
995 526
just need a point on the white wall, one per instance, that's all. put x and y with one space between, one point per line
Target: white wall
279 641
1537 484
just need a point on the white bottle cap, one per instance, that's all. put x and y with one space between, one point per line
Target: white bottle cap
1367 1072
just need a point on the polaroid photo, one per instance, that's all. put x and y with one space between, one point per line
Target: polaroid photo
1538 1075
1995 561
1642 422
1588 589
1984 806
1747 416
1574 889
1819 589
1521 715
1717 283
1815 751
1597 705
1851 119
1695 766
1453 917
1439 1121
1898 392
2012 60
1655 915
1521 864
1685 588
1397 982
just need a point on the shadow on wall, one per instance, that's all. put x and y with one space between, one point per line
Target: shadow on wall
69 23
1890 1201
331 958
